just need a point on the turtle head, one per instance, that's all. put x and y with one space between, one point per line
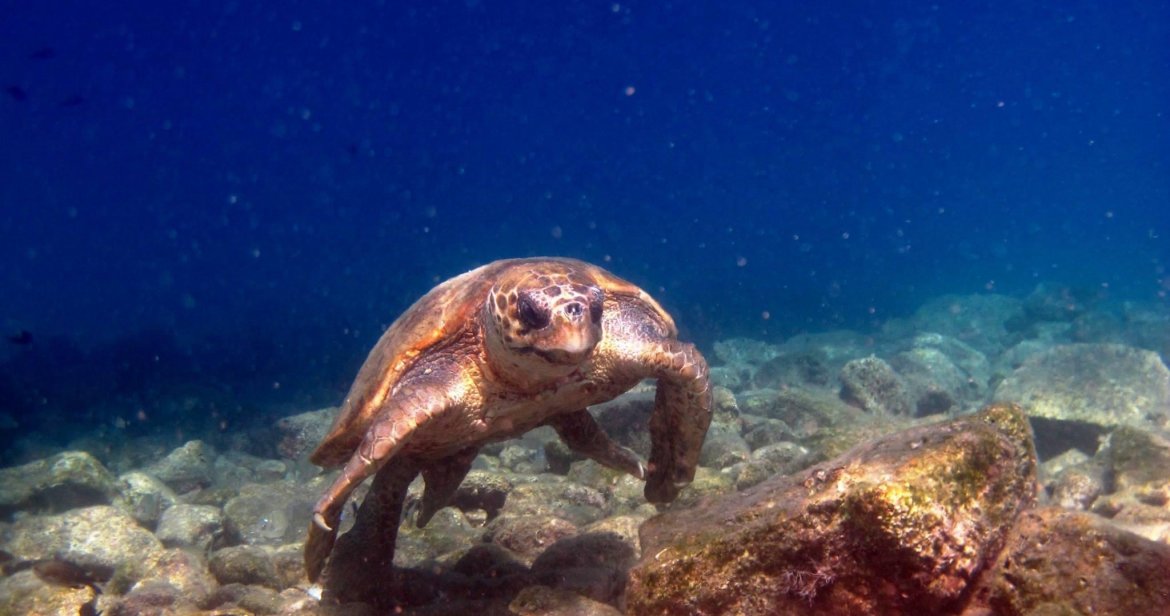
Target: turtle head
543 323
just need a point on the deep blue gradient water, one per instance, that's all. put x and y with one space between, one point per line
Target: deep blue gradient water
238 196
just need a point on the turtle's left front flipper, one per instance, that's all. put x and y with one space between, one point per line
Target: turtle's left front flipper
682 414
581 433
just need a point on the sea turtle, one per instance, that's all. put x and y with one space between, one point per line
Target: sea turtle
489 355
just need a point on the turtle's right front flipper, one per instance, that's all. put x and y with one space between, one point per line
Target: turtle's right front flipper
419 400
362 561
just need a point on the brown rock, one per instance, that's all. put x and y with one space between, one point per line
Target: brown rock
529 535
902 524
244 564
25 593
1068 562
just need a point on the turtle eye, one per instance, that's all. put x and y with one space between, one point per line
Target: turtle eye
532 315
595 304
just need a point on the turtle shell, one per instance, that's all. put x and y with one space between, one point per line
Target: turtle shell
448 312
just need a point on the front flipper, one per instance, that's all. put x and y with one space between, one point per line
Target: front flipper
415 403
582 434
363 559
682 414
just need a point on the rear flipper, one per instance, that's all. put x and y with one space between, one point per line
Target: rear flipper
442 481
582 434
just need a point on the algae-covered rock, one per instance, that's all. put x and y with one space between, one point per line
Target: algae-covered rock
744 351
485 490
1078 485
564 499
806 368
901 524
1055 301
723 446
626 419
56 484
776 459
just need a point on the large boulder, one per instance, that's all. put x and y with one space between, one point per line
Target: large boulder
1075 393
901 524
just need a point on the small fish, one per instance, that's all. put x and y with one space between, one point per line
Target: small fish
44 53
22 337
16 92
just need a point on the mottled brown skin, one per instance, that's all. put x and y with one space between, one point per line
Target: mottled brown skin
490 355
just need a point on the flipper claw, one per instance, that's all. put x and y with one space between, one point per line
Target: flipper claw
319 520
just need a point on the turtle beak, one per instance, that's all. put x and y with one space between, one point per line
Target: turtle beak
578 341
575 335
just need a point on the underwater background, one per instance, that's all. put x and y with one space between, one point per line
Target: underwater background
244 194
241 196
903 234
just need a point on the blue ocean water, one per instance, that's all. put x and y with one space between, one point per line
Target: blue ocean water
233 199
